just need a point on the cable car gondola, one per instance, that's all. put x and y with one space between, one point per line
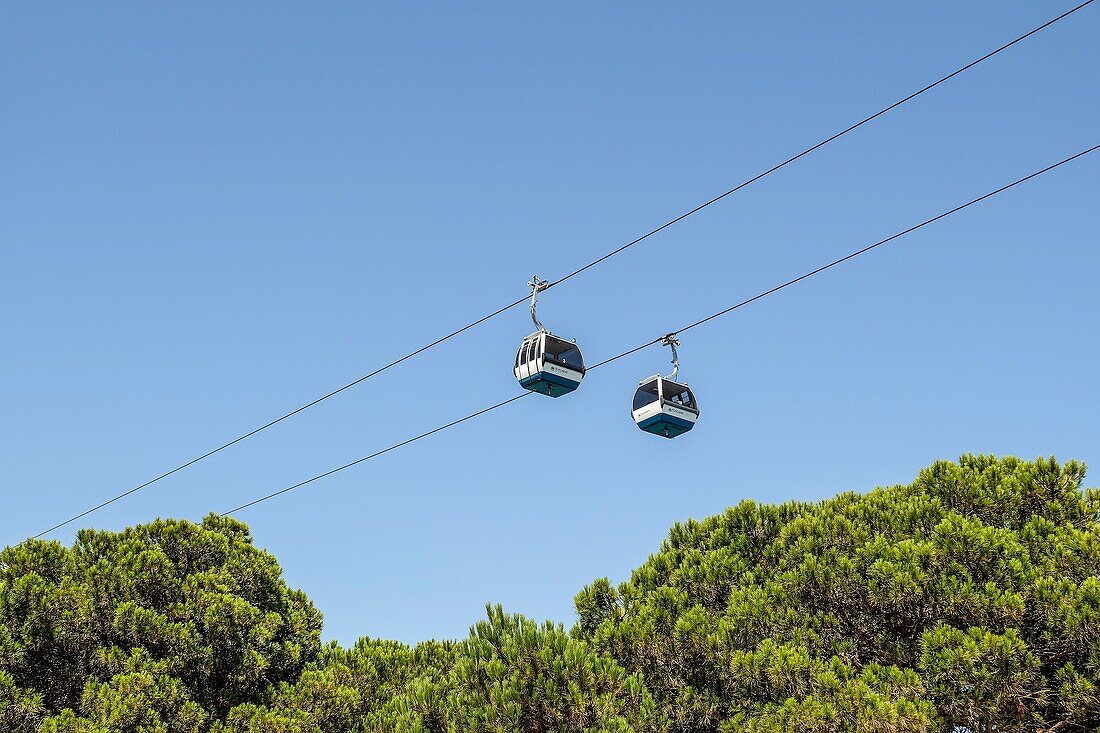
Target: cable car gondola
663 406
546 363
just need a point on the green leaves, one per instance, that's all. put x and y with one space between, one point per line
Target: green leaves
979 679
512 674
159 627
968 598
966 601
21 710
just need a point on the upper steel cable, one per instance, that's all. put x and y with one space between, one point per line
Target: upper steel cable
572 274
701 321
823 143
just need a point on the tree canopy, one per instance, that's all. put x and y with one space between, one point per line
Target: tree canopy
968 600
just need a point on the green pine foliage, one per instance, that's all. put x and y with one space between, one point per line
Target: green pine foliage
162 627
968 600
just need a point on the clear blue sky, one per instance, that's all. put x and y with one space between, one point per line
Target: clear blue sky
210 214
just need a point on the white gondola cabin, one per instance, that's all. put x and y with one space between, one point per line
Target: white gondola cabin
546 363
549 365
664 407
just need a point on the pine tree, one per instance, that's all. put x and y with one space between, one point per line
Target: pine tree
965 602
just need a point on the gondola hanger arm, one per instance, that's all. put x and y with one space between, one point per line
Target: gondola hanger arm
537 285
672 340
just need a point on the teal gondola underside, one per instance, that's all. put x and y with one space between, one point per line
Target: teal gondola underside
549 384
667 426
